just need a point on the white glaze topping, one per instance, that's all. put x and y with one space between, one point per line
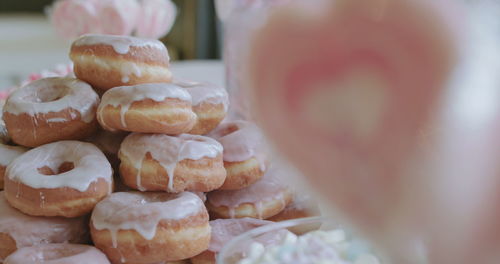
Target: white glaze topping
142 212
90 165
168 150
54 94
58 254
270 187
205 92
125 96
29 230
120 44
9 153
325 247
242 144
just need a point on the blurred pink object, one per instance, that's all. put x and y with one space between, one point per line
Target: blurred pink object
144 18
118 17
72 18
156 18
345 90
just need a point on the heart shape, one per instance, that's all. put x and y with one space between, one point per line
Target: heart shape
345 90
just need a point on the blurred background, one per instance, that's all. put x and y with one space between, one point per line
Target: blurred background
29 44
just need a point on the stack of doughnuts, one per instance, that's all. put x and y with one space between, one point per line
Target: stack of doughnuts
134 157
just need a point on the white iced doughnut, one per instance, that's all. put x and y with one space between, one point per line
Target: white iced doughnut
150 227
65 178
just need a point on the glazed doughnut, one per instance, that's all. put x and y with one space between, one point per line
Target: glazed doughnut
210 103
107 61
49 110
223 231
135 227
65 178
244 153
155 162
161 108
301 206
7 155
109 143
263 199
18 230
58 254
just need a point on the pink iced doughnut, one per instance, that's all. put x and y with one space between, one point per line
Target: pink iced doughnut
156 18
72 18
118 17
262 200
58 254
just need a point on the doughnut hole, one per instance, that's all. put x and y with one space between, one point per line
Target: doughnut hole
64 167
47 93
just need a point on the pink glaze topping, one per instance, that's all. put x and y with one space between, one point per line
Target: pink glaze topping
32 230
168 151
242 140
58 254
142 211
269 187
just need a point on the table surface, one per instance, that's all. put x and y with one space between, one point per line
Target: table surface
29 44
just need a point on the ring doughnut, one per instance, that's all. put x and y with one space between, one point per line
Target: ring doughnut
223 231
65 178
135 227
155 162
263 199
148 108
210 104
7 155
244 154
302 205
18 230
49 110
58 254
107 61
